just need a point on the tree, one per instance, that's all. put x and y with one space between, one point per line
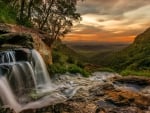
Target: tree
55 17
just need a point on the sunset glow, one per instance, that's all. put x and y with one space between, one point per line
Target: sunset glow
111 20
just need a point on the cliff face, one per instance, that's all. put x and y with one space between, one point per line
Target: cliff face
14 36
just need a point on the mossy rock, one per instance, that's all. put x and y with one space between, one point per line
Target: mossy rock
24 40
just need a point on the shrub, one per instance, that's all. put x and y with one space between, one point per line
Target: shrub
85 73
75 69
57 68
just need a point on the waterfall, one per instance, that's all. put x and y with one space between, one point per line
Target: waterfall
7 95
41 74
22 72
7 57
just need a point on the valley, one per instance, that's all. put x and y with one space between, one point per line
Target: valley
92 49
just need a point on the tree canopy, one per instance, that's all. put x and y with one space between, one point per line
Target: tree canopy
55 17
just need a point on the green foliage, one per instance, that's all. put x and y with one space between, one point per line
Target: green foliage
64 55
66 60
135 73
57 68
7 13
72 68
55 17
134 59
75 69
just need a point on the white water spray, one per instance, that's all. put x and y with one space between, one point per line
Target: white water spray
19 78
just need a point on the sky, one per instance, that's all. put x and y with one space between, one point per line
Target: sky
110 20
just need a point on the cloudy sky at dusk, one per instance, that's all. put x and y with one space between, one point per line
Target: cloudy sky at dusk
111 20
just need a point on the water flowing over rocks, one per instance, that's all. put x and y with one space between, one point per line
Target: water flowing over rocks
101 96
24 81
114 94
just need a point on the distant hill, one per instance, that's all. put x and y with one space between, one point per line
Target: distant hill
120 57
93 50
64 52
135 57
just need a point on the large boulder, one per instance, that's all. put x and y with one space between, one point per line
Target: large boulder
14 36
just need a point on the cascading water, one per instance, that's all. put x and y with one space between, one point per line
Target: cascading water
7 57
21 73
41 74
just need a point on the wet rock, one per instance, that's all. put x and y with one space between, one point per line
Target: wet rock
127 98
141 81
96 92
14 36
100 89
100 97
23 54
124 110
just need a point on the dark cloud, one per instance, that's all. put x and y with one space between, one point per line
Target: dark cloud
110 7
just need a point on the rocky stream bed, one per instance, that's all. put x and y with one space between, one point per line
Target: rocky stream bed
102 93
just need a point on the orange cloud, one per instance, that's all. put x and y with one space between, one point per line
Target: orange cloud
110 21
98 38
